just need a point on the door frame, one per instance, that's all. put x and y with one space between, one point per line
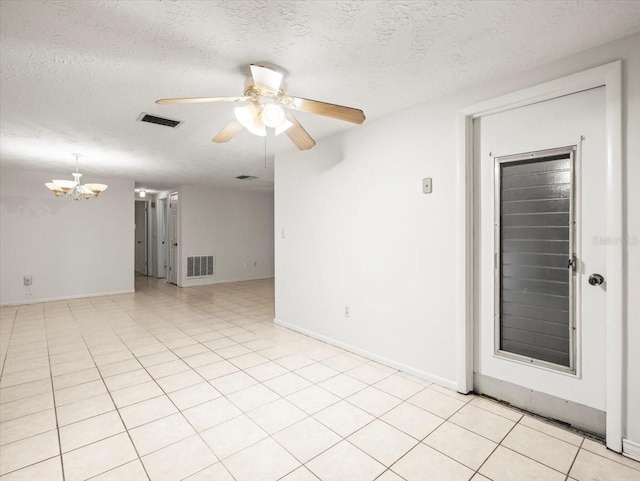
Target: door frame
162 229
147 237
178 262
610 77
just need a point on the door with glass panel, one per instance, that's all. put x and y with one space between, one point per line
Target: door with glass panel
540 301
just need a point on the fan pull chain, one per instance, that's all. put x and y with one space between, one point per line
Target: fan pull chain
265 149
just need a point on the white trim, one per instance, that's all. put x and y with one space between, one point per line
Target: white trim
148 237
609 76
615 263
588 79
67 298
210 280
370 355
465 246
631 449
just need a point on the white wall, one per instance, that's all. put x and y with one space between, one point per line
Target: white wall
235 226
359 231
72 249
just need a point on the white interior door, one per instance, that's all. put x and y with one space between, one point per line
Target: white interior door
162 241
173 238
141 238
540 326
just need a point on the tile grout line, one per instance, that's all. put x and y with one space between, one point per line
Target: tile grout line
540 462
114 405
53 394
516 423
575 458
379 418
345 438
6 354
271 436
421 441
505 436
281 397
448 419
207 382
54 407
170 400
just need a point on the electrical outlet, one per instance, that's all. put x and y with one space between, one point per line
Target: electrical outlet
426 185
28 280
346 311
282 234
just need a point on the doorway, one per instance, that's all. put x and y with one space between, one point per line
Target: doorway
172 276
539 330
160 241
608 76
141 238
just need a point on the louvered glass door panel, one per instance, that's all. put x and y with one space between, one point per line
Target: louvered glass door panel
534 245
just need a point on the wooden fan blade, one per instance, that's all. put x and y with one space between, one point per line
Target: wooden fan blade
197 100
329 110
265 78
298 134
226 134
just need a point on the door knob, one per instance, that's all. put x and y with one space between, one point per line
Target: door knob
596 279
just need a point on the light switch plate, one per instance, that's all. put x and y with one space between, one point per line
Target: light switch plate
426 185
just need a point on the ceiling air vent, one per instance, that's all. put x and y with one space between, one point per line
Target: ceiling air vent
246 177
152 119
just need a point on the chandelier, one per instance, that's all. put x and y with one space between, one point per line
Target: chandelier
73 189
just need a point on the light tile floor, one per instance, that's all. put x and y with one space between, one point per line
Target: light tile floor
199 384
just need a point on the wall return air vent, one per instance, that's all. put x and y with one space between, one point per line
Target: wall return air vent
201 266
152 119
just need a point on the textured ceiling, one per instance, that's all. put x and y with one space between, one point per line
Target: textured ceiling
75 75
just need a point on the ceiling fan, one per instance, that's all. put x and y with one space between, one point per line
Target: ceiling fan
269 106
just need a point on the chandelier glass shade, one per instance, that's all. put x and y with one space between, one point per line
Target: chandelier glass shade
73 188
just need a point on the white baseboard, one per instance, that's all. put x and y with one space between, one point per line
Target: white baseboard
371 355
631 449
66 298
206 281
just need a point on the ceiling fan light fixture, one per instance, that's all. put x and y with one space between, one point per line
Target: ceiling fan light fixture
272 115
270 105
249 117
